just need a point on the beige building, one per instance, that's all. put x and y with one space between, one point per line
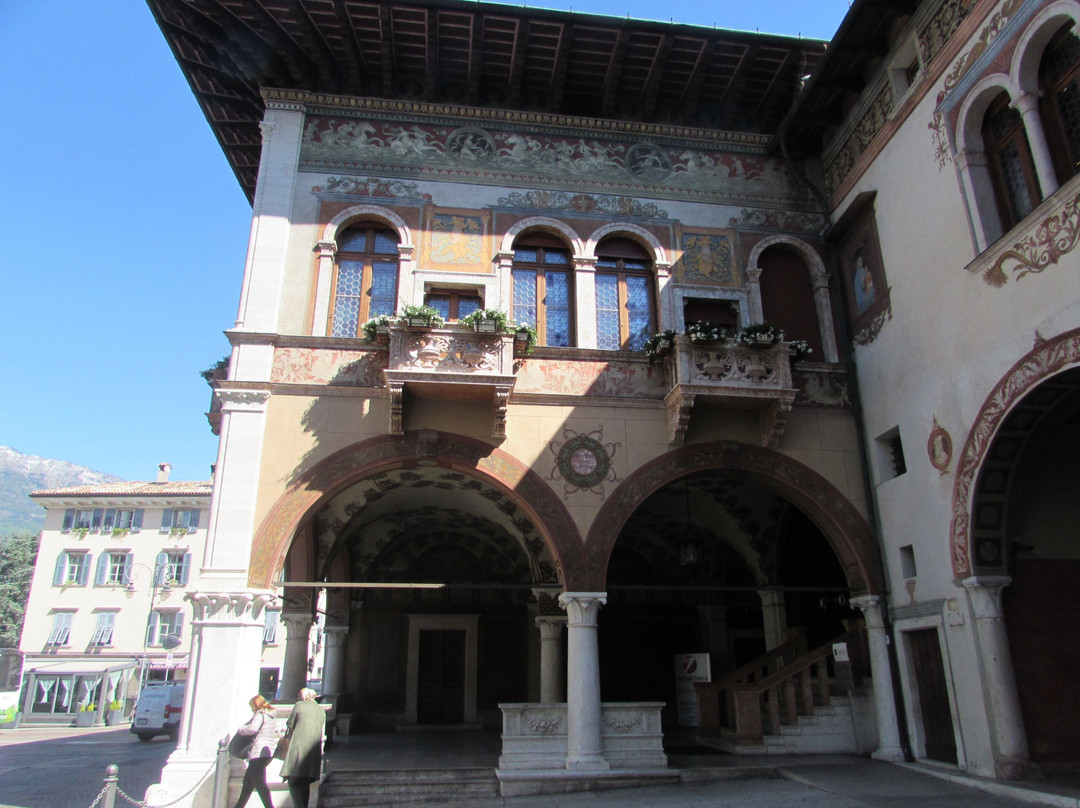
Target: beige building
862 430
106 611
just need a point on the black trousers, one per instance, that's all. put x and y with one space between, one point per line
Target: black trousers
300 791
255 780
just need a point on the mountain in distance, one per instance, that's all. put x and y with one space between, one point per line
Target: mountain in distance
20 474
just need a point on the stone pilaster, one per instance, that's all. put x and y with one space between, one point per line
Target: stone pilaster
1007 736
584 747
325 252
551 628
753 289
223 676
823 306
884 701
774 617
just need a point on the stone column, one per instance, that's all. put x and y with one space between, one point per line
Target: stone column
773 617
974 171
334 660
294 670
551 690
753 289
584 746
1007 736
223 675
884 699
584 319
1028 106
324 276
823 305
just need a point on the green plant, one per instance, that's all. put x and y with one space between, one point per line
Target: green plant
88 707
658 342
218 370
120 532
756 333
502 321
424 312
371 327
706 331
116 704
80 532
800 349
179 531
527 334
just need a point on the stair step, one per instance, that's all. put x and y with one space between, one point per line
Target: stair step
406 788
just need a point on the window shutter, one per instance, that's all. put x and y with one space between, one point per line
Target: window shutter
129 559
102 569
61 565
136 521
185 569
69 517
84 569
178 624
166 520
161 568
95 522
193 525
151 628
109 520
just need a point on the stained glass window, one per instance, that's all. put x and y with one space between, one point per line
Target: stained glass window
365 283
543 293
624 296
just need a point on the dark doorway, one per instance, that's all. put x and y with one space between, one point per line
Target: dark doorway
440 697
933 696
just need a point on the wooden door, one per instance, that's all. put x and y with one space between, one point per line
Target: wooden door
440 697
933 696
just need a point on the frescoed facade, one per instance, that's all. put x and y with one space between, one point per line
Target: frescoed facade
528 540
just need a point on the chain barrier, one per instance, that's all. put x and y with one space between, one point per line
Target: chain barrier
144 803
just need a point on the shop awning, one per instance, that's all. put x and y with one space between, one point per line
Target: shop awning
77 665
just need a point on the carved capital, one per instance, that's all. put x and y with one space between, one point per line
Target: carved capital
582 608
753 274
870 606
229 608
242 400
984 592
326 249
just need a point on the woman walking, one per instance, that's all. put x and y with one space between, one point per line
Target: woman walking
303 761
267 729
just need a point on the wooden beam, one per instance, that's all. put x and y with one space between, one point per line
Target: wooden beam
614 71
656 72
386 26
476 55
517 62
562 60
689 110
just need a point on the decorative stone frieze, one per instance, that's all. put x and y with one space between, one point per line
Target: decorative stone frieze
242 400
229 608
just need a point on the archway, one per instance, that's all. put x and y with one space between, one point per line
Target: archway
432 549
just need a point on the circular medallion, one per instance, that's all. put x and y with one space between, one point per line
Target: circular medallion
648 162
470 146
583 461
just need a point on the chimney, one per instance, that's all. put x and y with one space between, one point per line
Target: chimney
163 470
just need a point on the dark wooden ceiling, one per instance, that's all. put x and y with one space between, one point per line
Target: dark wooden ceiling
475 54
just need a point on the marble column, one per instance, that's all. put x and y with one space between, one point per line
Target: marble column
773 617
334 660
753 289
1028 106
1007 736
294 671
884 698
551 688
584 745
823 305
223 675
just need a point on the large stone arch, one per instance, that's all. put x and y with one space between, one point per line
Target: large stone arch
476 458
1048 358
843 526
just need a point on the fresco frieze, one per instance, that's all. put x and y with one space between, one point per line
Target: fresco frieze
456 239
371 186
448 152
327 366
582 378
582 203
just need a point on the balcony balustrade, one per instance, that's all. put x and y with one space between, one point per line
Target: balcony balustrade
734 376
450 363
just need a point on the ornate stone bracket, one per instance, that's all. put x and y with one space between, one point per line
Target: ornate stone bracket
229 608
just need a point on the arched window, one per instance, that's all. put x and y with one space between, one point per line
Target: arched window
365 280
1059 86
542 288
787 296
1012 171
624 295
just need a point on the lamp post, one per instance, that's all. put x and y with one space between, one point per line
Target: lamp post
156 573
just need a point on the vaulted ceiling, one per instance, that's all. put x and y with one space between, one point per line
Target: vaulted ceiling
476 54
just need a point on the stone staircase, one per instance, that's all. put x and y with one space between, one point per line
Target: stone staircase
406 788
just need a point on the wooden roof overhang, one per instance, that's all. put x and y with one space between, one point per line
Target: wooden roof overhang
475 55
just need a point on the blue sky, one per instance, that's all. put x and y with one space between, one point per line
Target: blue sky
123 230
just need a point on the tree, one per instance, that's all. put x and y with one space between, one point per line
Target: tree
18 552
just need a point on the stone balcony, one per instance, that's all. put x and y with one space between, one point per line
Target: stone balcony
450 363
733 376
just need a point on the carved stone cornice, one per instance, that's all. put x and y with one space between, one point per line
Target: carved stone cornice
229 608
242 400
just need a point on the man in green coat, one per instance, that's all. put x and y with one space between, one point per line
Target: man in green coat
303 760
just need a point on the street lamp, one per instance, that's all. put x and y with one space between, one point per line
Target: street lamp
156 574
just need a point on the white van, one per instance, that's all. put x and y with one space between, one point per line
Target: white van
158 711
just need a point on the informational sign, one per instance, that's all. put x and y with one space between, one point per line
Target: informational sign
689 668
842 662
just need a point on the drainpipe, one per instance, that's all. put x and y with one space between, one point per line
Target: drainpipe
873 519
